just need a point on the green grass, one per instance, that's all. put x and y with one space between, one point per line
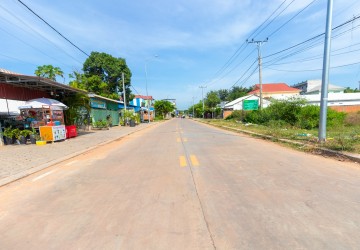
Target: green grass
341 138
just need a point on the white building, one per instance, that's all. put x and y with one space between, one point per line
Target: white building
314 87
237 104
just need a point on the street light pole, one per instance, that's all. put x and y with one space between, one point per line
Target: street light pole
148 102
123 83
325 74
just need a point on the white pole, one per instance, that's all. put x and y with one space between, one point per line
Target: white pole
325 75
124 92
148 104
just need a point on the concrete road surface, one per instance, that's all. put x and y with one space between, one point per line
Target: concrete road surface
185 185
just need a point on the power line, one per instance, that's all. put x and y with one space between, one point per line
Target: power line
24 23
53 28
315 43
312 38
244 45
54 58
306 70
274 17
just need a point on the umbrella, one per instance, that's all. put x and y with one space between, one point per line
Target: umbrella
41 102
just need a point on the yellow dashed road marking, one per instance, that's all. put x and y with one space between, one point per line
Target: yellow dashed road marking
183 140
183 162
194 161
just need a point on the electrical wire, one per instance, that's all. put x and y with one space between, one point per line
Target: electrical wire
242 47
53 28
35 31
274 17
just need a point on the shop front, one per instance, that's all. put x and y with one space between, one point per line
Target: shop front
104 110
46 116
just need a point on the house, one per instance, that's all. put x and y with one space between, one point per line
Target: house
275 89
238 104
143 104
310 87
104 109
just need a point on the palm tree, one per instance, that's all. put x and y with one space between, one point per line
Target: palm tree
49 71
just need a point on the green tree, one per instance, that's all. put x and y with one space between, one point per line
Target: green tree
211 101
350 90
109 69
49 71
223 94
197 109
237 92
163 107
103 76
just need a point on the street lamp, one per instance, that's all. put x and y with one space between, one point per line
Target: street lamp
148 103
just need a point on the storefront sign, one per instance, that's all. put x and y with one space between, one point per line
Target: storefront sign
98 104
250 105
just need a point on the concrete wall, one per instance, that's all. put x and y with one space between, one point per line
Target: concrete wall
346 109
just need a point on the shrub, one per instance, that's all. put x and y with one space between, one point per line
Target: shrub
286 110
309 117
258 116
100 124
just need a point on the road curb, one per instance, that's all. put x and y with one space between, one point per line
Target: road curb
34 170
317 150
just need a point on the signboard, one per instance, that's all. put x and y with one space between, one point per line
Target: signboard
250 105
98 104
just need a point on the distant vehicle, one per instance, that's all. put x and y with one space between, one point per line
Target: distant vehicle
183 116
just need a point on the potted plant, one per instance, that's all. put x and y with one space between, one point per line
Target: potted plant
24 134
16 135
8 133
34 136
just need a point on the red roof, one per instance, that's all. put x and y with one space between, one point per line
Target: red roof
144 97
273 88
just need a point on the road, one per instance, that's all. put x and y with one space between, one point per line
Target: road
185 185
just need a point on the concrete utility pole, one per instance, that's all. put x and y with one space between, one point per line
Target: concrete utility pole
325 74
202 93
124 92
147 94
259 43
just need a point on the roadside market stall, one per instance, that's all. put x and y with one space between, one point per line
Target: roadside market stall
46 115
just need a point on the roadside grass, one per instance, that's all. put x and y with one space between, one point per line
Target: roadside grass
340 138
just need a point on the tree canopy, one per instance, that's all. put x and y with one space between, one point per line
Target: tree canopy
49 71
163 107
103 76
350 90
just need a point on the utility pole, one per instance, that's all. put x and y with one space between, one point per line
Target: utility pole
202 93
325 74
124 92
193 108
259 44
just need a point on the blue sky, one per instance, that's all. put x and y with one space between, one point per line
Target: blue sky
193 40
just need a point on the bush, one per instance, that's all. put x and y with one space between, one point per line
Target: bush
258 116
335 118
286 110
101 124
309 117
